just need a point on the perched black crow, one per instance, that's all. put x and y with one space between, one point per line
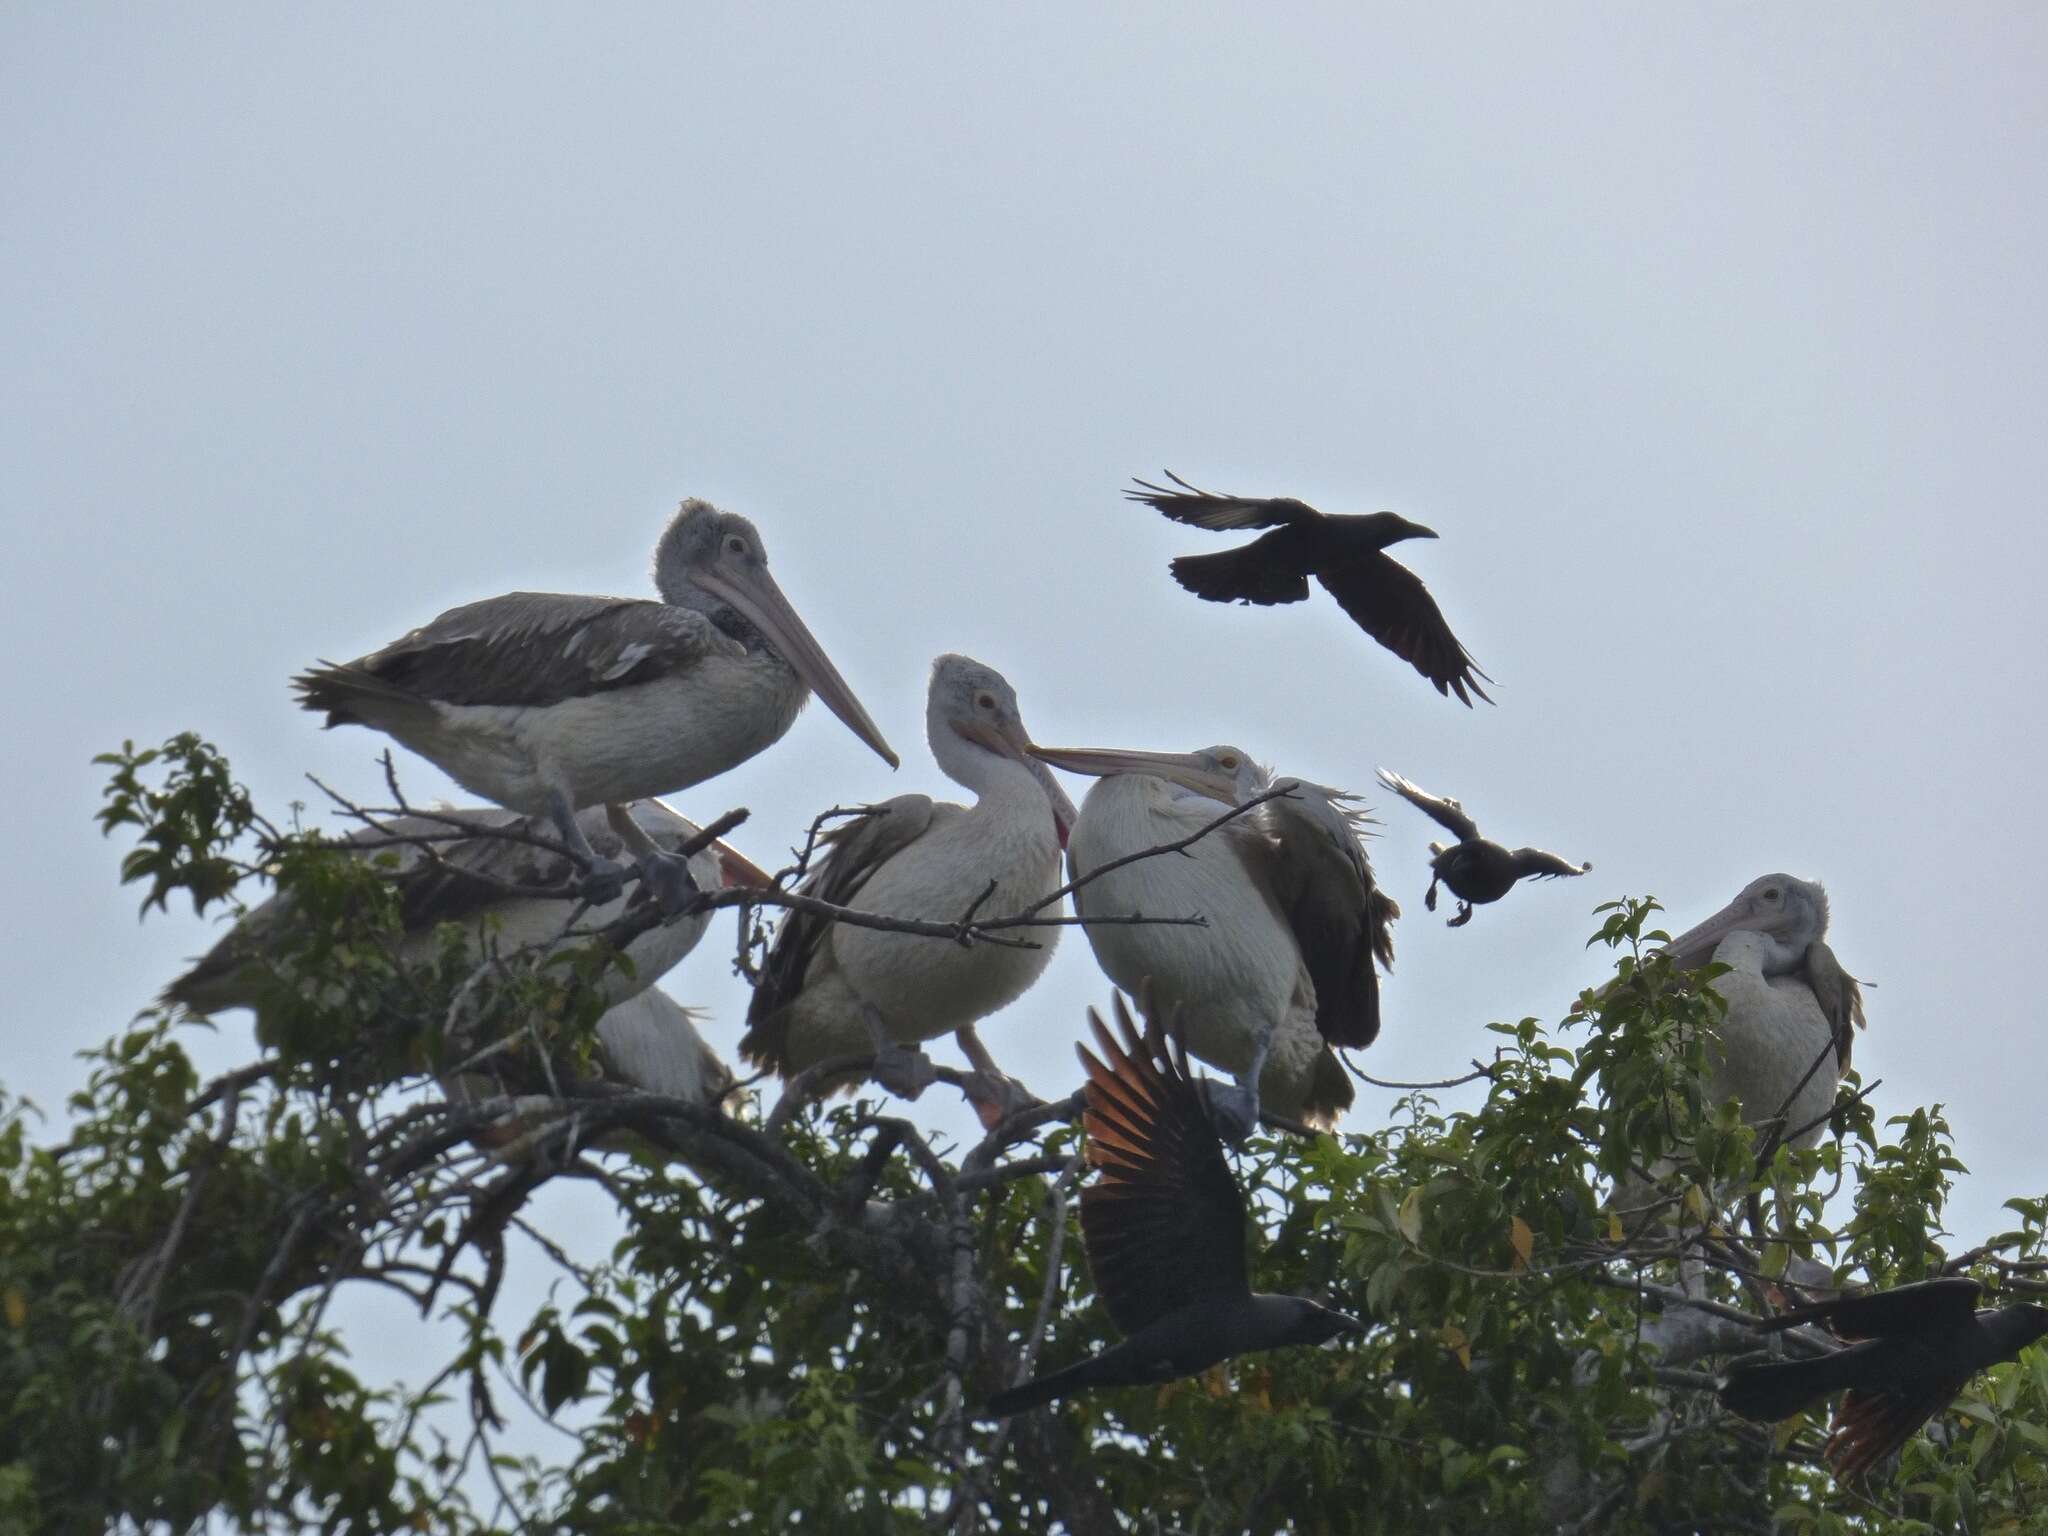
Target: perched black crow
1163 1224
1915 1348
1345 553
1476 869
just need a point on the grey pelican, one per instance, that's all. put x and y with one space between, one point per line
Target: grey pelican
1788 999
1164 1224
1346 553
829 989
1283 971
1476 869
1913 1349
547 702
467 883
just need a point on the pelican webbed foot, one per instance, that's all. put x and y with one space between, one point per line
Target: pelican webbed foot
1464 915
603 879
1233 1108
903 1070
669 881
993 1093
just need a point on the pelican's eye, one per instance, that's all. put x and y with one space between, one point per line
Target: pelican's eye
1771 894
1227 763
735 545
984 701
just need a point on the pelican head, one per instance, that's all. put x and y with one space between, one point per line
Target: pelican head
1224 773
708 559
1788 912
972 702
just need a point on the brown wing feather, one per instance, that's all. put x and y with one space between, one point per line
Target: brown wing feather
1840 997
1389 602
1163 1221
851 853
1441 809
524 648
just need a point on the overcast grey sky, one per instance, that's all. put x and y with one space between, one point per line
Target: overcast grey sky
1712 340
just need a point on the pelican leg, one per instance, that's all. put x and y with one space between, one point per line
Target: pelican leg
994 1094
667 875
603 879
1236 1109
903 1070
1464 915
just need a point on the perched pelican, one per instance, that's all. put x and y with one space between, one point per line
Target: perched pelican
469 882
1163 1224
1475 868
829 989
1788 1000
547 703
1912 1350
1283 971
644 1039
1345 553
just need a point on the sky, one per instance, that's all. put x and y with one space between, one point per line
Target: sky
1712 340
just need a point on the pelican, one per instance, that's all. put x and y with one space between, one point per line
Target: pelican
547 702
467 882
829 989
1476 869
1788 1001
1283 971
1345 553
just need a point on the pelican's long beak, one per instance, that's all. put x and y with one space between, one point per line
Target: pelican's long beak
736 869
1186 769
754 593
1695 947
1011 740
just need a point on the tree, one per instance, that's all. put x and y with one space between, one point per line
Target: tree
808 1306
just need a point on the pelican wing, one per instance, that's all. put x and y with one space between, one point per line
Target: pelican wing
850 854
1441 809
523 649
1164 1221
1190 504
1840 997
1389 602
1542 864
1340 919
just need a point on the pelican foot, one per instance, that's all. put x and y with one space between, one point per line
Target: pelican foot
602 883
1233 1109
1429 898
904 1070
668 879
1464 915
995 1096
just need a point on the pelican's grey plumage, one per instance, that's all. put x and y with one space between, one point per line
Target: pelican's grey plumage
1475 868
481 883
1346 553
831 988
1284 970
549 702
1792 1009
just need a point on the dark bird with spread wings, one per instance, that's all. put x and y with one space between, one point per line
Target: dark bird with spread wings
1911 1351
1346 553
1163 1225
548 702
1476 869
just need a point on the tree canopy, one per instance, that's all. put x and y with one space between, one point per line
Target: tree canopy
808 1306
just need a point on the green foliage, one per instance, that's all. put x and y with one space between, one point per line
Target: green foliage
778 1339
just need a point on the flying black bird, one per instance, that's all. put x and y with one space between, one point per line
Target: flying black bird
1346 554
1475 869
1163 1224
1916 1347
